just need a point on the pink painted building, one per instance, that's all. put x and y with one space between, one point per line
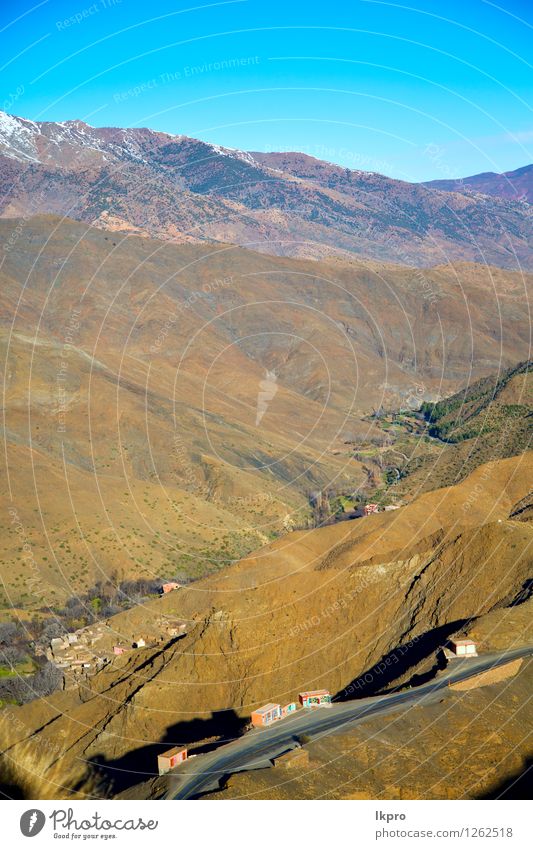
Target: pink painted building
169 586
168 760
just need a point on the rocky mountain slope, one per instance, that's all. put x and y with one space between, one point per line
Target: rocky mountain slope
490 419
318 608
185 190
488 405
514 185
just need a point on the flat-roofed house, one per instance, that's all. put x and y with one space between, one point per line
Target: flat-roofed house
266 715
168 760
463 648
315 698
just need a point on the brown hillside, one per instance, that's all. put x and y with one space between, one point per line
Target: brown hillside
133 372
316 608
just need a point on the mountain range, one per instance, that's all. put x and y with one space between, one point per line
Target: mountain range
213 361
186 190
515 185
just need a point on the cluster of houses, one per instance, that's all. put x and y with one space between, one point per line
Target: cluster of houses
78 652
167 631
368 509
89 649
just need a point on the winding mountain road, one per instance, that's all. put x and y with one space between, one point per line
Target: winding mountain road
258 747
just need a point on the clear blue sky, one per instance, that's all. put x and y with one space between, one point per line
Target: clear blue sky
422 91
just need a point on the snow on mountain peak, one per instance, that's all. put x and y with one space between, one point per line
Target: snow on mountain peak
17 138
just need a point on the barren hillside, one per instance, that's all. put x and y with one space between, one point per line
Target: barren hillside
317 608
135 376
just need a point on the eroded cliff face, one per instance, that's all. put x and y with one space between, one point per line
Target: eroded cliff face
315 609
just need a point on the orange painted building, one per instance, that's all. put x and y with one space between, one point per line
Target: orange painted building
266 715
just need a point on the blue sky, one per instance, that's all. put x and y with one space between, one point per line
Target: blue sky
425 91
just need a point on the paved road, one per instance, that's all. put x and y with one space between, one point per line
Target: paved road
256 748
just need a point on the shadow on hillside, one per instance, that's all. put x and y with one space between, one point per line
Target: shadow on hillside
118 774
517 786
524 594
397 663
10 791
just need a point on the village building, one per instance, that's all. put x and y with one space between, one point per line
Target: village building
169 586
315 698
266 715
168 760
457 649
463 648
177 630
370 508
